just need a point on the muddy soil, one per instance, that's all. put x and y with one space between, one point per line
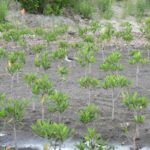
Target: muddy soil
110 130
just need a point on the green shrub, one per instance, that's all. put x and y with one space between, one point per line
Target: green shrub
3 10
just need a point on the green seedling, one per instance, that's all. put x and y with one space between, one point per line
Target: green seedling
56 133
14 112
3 53
59 53
136 103
82 30
30 78
60 103
11 35
16 60
126 32
15 34
63 44
39 60
61 29
88 113
85 57
39 31
23 43
113 82
62 71
6 26
38 48
88 82
2 103
42 86
45 60
111 63
136 59
50 36
106 35
93 141
94 26
146 31
88 38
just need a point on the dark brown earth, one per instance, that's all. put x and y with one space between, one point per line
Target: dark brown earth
110 130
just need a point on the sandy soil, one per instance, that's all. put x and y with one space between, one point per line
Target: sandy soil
110 130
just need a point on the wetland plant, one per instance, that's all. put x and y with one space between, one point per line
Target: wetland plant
16 60
114 82
37 49
30 78
42 86
93 141
146 31
59 53
125 33
82 30
45 60
60 103
88 113
136 103
13 110
111 63
94 26
88 82
105 36
136 59
86 56
62 71
56 133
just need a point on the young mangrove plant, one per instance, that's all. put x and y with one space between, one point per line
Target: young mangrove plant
125 33
56 133
45 60
16 60
137 59
105 36
90 83
3 53
88 113
37 49
136 103
113 82
62 71
30 78
85 57
14 112
60 103
92 141
146 31
111 63
59 53
82 30
94 26
88 38
42 86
